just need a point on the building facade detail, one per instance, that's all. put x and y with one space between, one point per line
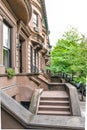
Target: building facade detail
24 41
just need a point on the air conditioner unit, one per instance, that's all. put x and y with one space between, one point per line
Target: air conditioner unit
36 29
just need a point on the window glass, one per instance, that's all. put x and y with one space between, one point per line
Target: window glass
35 19
6 36
5 58
6 46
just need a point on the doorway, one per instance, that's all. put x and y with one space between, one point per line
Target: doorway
21 40
20 56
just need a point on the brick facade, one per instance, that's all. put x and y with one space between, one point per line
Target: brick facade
28 36
29 44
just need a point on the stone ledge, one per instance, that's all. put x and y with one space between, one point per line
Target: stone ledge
9 87
27 74
56 83
3 75
59 122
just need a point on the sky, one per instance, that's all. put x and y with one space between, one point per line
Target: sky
65 13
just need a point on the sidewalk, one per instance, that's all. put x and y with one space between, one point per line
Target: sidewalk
82 105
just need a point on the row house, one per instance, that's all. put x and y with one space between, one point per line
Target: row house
24 41
24 45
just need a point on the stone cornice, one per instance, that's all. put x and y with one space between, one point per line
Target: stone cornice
21 9
44 13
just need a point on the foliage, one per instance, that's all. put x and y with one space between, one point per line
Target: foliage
70 55
4 52
10 72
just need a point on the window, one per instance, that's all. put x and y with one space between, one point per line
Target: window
35 19
6 46
31 59
35 68
38 1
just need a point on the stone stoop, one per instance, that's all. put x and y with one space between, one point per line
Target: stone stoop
21 118
54 103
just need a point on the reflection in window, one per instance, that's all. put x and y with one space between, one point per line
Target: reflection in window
6 46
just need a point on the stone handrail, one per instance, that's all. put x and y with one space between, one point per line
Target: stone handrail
75 107
35 101
38 100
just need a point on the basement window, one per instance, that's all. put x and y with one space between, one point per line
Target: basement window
25 104
14 96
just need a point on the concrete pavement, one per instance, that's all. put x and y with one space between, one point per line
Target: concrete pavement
82 105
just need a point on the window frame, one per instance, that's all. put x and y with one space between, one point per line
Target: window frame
7 47
35 19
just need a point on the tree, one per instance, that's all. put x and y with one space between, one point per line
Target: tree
70 55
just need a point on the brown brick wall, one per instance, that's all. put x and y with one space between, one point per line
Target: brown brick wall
25 89
1 39
9 122
4 81
25 85
21 86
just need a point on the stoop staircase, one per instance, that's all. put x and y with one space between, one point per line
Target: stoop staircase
54 103
15 116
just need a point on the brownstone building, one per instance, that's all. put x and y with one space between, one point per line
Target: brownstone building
25 47
24 43
24 40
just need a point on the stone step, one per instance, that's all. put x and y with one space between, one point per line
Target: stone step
54 94
55 98
53 108
56 103
56 87
56 113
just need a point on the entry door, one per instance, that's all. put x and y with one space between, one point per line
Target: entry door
35 68
20 56
31 59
